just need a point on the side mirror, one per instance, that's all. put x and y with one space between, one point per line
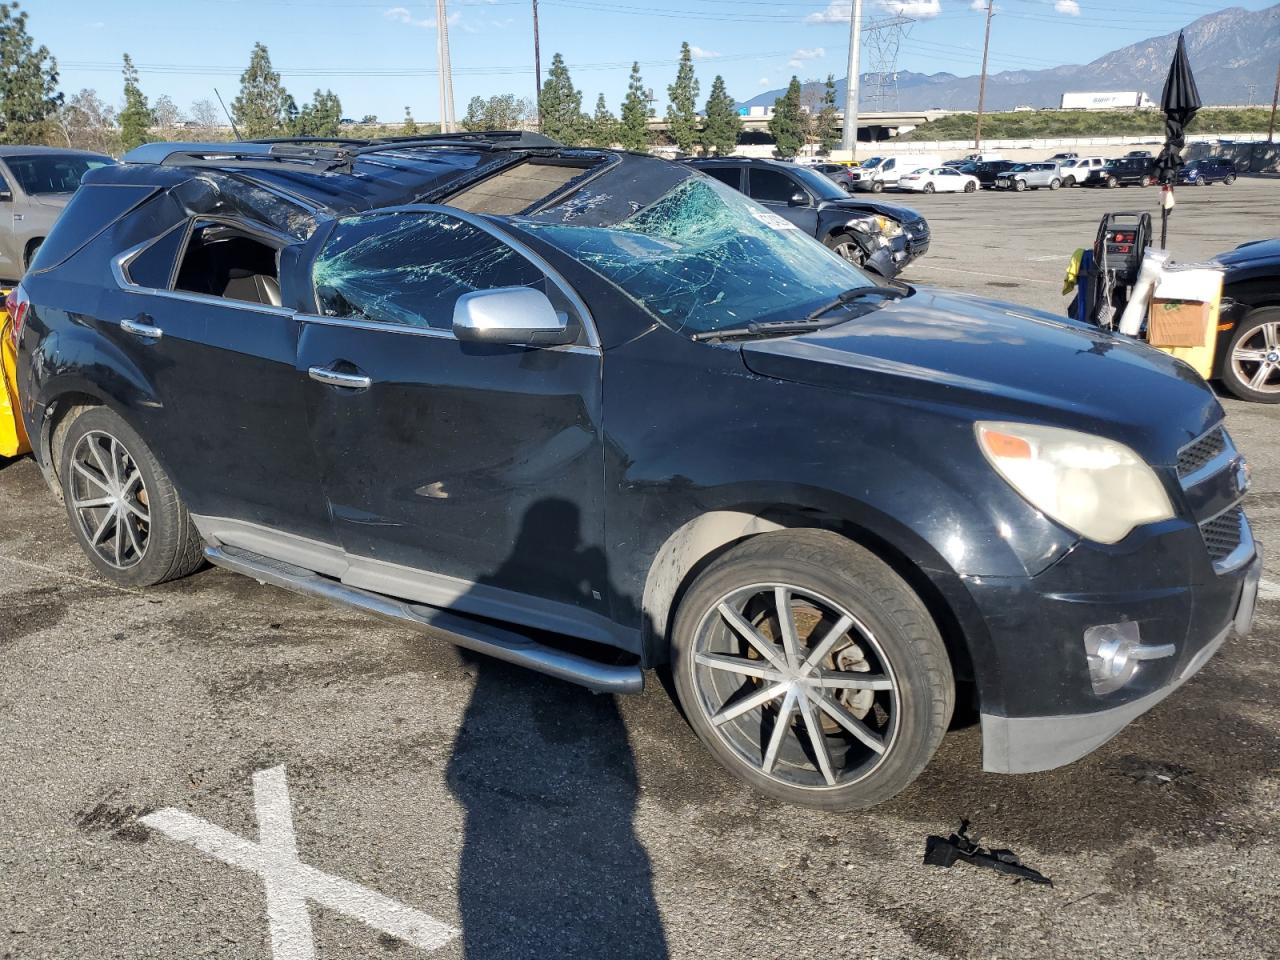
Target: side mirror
516 316
799 199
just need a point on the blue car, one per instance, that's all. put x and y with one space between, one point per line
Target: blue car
1208 170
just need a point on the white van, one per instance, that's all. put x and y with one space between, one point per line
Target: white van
879 172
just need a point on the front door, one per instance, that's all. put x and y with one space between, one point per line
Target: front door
780 194
458 474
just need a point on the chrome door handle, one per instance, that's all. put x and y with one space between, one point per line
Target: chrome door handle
354 381
143 330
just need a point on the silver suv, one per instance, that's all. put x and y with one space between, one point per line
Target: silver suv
35 184
1022 176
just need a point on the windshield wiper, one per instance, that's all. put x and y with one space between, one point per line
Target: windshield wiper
856 293
803 325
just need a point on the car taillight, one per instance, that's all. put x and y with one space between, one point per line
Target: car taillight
17 304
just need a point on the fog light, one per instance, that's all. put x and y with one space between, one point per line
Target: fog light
1115 650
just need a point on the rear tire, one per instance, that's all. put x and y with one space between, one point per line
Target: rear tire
818 741
1055 183
928 188
1144 182
123 508
1229 179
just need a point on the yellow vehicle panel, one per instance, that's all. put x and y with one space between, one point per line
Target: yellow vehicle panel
13 438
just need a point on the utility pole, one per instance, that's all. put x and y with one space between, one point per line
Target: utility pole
537 66
849 137
446 69
982 81
1275 99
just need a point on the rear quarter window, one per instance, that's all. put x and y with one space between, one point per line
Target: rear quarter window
91 210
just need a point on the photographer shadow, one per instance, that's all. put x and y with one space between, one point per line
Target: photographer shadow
550 865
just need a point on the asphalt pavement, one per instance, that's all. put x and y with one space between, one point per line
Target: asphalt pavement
185 768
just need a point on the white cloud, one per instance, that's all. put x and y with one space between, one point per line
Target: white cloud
1070 8
802 55
839 11
700 54
405 16
764 81
978 5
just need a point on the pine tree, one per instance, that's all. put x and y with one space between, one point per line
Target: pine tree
29 97
723 124
322 117
136 117
410 128
788 124
263 105
826 127
560 105
682 110
604 125
633 131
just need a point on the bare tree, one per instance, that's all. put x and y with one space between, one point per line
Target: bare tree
166 112
86 122
206 115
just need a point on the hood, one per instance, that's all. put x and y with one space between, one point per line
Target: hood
891 210
999 360
1251 252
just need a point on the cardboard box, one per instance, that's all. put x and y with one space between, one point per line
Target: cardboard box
1179 323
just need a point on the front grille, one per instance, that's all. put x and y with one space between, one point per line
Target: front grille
1223 533
1196 454
918 230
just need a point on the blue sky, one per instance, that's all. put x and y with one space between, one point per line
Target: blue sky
379 55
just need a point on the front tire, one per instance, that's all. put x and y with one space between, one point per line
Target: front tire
1112 183
812 671
1019 185
1069 182
1229 179
847 246
877 186
970 187
929 188
123 508
1251 368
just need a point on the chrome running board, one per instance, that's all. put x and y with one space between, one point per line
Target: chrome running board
458 629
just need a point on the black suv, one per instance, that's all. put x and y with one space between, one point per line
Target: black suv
594 412
883 236
987 170
1124 171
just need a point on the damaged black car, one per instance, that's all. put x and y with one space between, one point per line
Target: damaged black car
597 413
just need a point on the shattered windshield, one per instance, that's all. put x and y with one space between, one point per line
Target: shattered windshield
705 257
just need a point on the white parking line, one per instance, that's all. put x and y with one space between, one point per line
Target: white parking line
290 884
978 273
1268 590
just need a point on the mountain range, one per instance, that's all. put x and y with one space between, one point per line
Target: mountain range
1230 50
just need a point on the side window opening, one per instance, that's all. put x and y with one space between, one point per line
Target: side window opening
729 176
153 267
222 260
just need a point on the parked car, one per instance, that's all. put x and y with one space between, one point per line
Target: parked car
1248 351
1123 172
35 184
1080 169
878 173
1063 157
1208 170
1030 176
938 180
13 437
1138 153
987 171
838 173
893 237
955 163
983 157
392 376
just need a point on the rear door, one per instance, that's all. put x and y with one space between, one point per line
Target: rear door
458 474
197 311
10 251
779 193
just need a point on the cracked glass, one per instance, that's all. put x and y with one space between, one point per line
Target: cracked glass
704 257
411 268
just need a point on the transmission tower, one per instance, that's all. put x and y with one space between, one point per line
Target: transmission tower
883 39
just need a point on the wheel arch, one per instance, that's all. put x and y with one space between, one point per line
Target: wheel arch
699 541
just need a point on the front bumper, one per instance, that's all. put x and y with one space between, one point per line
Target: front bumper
1029 743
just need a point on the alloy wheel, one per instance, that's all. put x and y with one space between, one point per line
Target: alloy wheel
851 252
1255 360
796 686
110 500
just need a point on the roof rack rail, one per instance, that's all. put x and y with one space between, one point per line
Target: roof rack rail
497 139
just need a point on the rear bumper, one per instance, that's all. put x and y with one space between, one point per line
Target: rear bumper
1026 744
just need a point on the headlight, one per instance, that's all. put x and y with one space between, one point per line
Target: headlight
1097 487
890 228
862 226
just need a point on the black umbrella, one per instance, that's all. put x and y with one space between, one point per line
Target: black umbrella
1180 102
